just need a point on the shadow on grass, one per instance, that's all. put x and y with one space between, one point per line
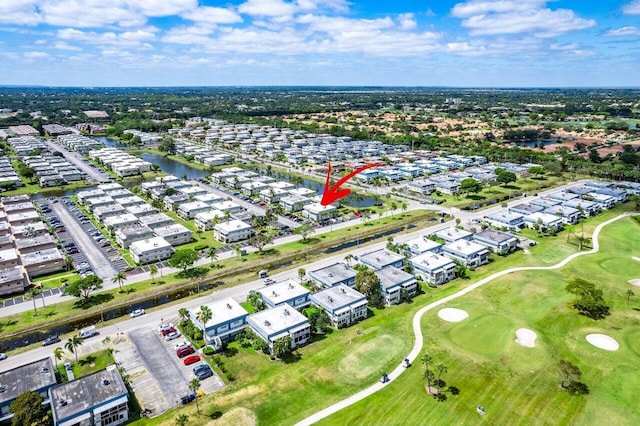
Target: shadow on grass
49 314
8 323
95 300
230 352
215 414
197 272
311 240
88 360
476 197
511 187
292 358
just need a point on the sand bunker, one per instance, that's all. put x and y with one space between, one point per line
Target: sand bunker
635 282
526 337
637 259
453 314
603 341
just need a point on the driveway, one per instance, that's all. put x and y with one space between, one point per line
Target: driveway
76 159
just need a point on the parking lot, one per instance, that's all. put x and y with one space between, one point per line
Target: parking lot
158 376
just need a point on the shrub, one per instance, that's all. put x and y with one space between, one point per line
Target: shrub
197 335
201 247
208 350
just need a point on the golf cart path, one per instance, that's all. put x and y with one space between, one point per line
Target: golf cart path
417 330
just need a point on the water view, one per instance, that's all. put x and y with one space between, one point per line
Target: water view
174 167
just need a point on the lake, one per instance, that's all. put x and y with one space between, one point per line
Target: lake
536 143
174 167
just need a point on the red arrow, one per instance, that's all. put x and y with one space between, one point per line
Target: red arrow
334 193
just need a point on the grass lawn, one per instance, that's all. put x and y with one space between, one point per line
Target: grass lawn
86 365
35 189
517 384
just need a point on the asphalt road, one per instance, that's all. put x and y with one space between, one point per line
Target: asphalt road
76 159
102 267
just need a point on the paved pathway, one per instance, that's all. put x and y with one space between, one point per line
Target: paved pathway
417 329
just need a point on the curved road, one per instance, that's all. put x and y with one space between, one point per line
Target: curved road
417 330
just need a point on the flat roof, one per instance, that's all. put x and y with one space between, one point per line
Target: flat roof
529 208
505 216
173 229
11 274
222 311
134 230
74 397
142 246
465 247
382 256
36 241
232 225
391 276
319 208
422 244
35 375
493 235
278 319
40 256
452 234
8 254
334 273
338 297
283 291
432 261
208 215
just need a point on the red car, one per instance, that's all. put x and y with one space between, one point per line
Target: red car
191 359
166 331
187 350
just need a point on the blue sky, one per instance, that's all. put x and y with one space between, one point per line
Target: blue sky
480 43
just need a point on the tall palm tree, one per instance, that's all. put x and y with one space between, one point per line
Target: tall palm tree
442 369
238 251
194 385
183 313
58 354
35 291
68 262
204 316
630 294
428 374
212 254
119 278
153 271
73 344
348 258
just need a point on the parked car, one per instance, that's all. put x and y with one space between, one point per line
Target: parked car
191 359
172 335
67 366
167 331
137 313
50 340
202 371
164 327
269 281
3 356
180 345
182 352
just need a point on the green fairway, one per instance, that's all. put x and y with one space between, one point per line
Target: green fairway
518 385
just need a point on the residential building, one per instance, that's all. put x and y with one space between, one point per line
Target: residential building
569 215
279 322
394 283
526 209
343 304
113 223
333 275
545 221
8 258
43 262
150 250
423 244
452 234
288 292
157 220
125 236
228 319
13 280
562 196
37 376
232 231
590 208
25 218
433 268
141 210
229 206
109 210
507 220
468 252
294 203
175 234
496 241
100 398
318 212
382 258
31 244
606 201
189 210
205 221
421 186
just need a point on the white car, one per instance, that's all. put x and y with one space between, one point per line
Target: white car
3 356
137 313
172 335
180 345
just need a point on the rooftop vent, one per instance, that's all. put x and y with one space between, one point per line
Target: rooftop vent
343 290
286 312
267 323
2 389
44 369
105 382
229 306
62 402
330 299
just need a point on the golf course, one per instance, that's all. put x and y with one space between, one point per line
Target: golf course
516 384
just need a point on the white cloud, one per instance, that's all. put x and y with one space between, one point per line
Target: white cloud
35 55
568 46
188 35
212 15
134 38
267 8
19 12
471 8
511 17
623 31
632 8
61 45
339 5
407 21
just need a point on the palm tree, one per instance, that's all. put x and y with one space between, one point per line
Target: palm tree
442 369
194 385
35 291
404 207
68 262
153 271
238 251
630 294
394 207
183 313
348 258
366 215
58 354
428 374
212 254
119 278
204 316
73 344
